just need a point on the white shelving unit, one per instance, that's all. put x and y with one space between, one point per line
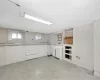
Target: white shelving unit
67 52
67 46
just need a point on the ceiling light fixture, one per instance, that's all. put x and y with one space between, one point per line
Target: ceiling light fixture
37 19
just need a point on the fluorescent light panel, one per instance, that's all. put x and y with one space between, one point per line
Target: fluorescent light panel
37 19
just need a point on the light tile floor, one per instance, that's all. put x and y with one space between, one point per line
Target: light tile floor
46 68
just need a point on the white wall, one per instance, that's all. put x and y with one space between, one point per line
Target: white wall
53 39
27 37
83 46
97 48
3 35
30 38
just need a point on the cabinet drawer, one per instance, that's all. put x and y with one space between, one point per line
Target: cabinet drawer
30 53
32 56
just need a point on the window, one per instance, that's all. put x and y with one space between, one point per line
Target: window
19 36
16 36
37 37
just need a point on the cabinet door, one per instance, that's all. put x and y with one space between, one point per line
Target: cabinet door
21 53
53 51
35 51
12 54
49 50
42 50
59 52
2 56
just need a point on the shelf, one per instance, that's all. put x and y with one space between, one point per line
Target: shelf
69 49
68 45
68 40
68 54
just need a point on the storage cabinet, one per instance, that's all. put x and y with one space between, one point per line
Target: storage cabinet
53 51
57 51
21 53
68 40
13 54
2 56
69 32
67 52
68 37
36 51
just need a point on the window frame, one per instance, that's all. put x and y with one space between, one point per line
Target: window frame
17 33
38 37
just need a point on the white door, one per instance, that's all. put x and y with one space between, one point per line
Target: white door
2 56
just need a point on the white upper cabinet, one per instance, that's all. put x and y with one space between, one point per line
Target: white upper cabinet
69 33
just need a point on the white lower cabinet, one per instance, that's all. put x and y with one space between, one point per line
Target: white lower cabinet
53 50
57 51
14 54
11 54
21 53
2 56
35 51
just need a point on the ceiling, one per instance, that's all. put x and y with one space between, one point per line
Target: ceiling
62 13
